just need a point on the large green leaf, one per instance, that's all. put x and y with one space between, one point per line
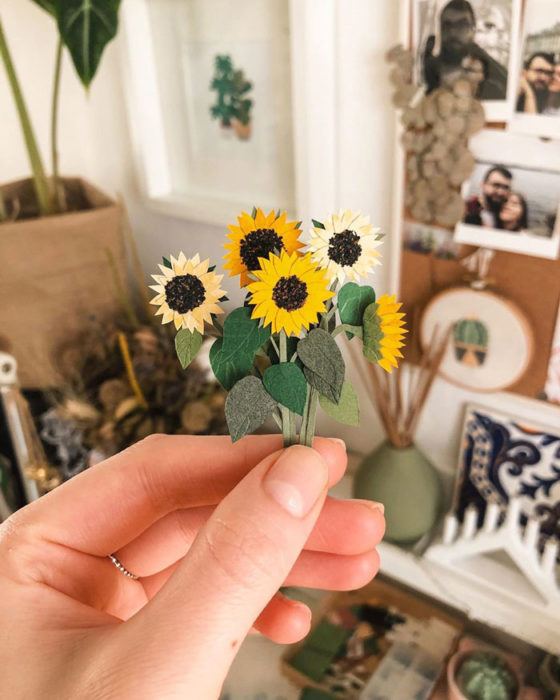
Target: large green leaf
352 302
285 383
86 27
187 344
347 410
228 368
323 363
243 333
48 5
248 405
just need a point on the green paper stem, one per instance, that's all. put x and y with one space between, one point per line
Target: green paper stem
309 432
346 327
288 424
275 346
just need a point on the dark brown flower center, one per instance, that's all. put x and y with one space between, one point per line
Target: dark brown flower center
345 248
289 293
184 293
259 244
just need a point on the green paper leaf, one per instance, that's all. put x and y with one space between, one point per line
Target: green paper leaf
187 344
347 410
352 302
229 368
86 27
317 224
324 366
373 335
242 334
285 383
166 263
47 5
248 405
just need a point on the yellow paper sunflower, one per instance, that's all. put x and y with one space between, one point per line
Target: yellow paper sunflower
257 237
346 245
187 293
289 292
384 332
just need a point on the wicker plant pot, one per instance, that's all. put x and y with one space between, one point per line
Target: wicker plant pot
55 273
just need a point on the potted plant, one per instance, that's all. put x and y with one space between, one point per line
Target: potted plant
56 233
482 674
232 106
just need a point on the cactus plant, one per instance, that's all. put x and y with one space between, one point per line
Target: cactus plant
231 88
471 341
486 676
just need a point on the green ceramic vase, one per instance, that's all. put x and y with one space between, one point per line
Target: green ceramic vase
407 484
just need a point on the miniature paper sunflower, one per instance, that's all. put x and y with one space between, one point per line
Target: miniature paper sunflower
187 293
383 332
346 245
257 237
289 292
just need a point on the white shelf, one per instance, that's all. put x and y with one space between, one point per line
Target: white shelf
523 616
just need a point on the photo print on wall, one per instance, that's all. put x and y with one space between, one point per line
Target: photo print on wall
512 198
468 38
537 103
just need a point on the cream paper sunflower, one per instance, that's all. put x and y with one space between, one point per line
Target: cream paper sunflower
187 293
346 246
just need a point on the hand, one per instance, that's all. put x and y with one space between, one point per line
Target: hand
212 529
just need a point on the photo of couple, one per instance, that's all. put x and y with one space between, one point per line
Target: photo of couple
512 208
498 206
469 39
539 83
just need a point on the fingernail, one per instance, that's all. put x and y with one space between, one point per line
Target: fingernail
296 480
370 505
338 441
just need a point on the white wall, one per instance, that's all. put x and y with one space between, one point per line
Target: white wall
94 141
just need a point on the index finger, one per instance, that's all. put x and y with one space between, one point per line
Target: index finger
107 506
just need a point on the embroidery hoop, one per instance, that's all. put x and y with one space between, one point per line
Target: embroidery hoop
519 325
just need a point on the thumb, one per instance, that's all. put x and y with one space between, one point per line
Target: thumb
235 566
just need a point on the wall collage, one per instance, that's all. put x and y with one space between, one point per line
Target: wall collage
478 96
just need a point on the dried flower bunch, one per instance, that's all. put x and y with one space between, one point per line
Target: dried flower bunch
437 128
122 383
276 355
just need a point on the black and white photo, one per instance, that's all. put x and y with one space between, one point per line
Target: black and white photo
472 39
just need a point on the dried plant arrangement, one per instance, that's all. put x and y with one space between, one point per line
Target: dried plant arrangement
276 355
399 399
437 128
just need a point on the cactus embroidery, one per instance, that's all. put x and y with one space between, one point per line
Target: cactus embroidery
470 338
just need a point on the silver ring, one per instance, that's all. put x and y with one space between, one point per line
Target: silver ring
120 567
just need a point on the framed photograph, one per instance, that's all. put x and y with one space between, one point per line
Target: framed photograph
473 39
503 456
537 101
512 198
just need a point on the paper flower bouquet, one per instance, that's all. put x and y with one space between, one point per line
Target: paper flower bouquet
276 355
